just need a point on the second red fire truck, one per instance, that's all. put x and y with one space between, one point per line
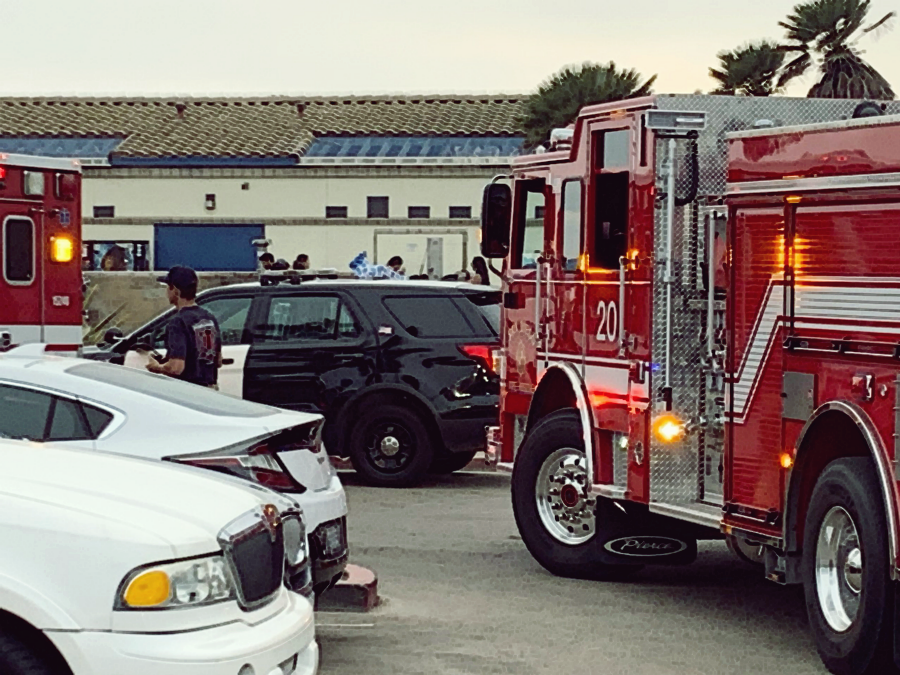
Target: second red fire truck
40 248
702 339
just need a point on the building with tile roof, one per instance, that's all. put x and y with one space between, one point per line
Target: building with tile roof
191 179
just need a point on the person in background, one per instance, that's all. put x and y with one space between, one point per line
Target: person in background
363 269
481 276
302 262
193 338
267 260
396 264
280 265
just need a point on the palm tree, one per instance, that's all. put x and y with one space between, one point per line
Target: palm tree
831 29
557 101
751 70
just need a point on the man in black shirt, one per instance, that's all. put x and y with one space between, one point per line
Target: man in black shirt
193 339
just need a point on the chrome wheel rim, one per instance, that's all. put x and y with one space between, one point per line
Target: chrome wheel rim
839 569
389 447
565 509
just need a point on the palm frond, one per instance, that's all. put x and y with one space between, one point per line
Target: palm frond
559 98
795 68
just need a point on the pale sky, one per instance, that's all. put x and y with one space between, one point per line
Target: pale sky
291 47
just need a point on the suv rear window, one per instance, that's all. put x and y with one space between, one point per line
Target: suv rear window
488 304
430 316
171 390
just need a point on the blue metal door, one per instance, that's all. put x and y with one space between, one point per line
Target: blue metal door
206 248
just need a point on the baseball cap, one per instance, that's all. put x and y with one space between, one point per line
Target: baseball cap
179 277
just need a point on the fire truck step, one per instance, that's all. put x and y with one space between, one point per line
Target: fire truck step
695 512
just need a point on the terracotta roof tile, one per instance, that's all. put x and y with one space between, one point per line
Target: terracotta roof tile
270 127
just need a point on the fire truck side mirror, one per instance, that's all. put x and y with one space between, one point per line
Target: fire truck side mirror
496 212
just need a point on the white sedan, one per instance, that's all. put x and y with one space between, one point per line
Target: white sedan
97 406
113 565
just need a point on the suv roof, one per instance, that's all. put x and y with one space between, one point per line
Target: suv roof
393 285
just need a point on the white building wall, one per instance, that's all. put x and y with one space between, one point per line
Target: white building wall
145 201
276 197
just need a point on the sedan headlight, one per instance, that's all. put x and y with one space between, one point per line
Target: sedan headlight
173 585
297 569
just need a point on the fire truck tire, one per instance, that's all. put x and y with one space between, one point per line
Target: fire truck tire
390 446
846 570
554 445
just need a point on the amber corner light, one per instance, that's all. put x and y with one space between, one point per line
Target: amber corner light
786 460
669 429
62 249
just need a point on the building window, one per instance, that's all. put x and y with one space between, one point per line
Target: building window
335 211
104 212
377 207
419 212
116 256
538 212
460 211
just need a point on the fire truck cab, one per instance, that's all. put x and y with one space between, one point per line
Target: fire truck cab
700 340
40 247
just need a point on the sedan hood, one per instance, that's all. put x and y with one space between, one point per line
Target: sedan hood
177 505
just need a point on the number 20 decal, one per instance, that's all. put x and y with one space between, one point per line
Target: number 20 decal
608 328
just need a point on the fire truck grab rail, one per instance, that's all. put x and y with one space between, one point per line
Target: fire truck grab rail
669 279
711 284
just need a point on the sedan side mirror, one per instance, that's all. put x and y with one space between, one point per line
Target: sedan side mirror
496 212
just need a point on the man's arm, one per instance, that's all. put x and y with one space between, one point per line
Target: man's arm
172 367
176 351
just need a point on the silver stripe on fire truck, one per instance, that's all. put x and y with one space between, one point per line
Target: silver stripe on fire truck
866 309
757 352
57 335
866 180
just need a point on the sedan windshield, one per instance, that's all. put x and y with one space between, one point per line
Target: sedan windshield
191 396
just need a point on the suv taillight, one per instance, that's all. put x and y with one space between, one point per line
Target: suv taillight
257 463
485 355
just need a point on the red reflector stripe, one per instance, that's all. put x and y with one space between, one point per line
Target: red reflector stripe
61 348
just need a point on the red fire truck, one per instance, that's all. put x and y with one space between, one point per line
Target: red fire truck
701 340
40 245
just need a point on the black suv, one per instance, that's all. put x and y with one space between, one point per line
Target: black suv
403 371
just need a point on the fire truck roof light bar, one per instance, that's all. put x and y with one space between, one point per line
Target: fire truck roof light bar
36 162
672 121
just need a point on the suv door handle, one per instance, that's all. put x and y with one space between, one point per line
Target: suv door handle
227 362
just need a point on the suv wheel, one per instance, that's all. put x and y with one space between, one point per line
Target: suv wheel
390 446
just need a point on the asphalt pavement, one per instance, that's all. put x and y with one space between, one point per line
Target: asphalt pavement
461 594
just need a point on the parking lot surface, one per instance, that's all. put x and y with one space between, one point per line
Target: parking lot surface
462 595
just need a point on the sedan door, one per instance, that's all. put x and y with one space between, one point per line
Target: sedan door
309 351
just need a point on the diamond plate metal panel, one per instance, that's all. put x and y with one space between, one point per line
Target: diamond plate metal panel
677 471
738 113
